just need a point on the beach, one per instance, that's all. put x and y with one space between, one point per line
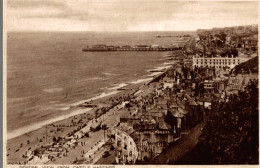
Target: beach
63 127
60 128
50 83
22 141
48 73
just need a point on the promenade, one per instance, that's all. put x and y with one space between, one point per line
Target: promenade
90 148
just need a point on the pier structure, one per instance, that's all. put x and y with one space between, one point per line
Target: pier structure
131 48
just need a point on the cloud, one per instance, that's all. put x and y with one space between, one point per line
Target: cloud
126 15
61 14
35 4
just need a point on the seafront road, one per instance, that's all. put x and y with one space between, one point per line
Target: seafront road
92 143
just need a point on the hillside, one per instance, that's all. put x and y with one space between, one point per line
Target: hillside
247 67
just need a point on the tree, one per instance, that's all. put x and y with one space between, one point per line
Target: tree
253 48
234 52
231 132
222 36
219 43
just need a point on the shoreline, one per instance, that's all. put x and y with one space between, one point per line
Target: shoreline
33 137
76 110
14 144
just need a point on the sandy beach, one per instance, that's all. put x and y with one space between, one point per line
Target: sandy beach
60 128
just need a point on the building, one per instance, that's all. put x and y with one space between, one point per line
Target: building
155 135
209 86
126 148
217 62
143 138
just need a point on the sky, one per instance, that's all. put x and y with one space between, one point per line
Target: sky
127 15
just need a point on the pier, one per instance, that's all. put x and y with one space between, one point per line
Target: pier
97 48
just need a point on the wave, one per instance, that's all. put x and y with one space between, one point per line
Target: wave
140 81
168 63
52 90
154 74
29 128
113 91
110 74
95 78
102 95
160 68
19 99
64 108
118 86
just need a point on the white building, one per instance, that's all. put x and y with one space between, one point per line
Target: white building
217 62
126 148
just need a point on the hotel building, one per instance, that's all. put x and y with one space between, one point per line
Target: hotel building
217 62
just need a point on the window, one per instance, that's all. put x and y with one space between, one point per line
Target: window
118 143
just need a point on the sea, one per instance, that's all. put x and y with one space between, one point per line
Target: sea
48 74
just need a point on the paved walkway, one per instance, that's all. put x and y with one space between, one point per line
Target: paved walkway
95 140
